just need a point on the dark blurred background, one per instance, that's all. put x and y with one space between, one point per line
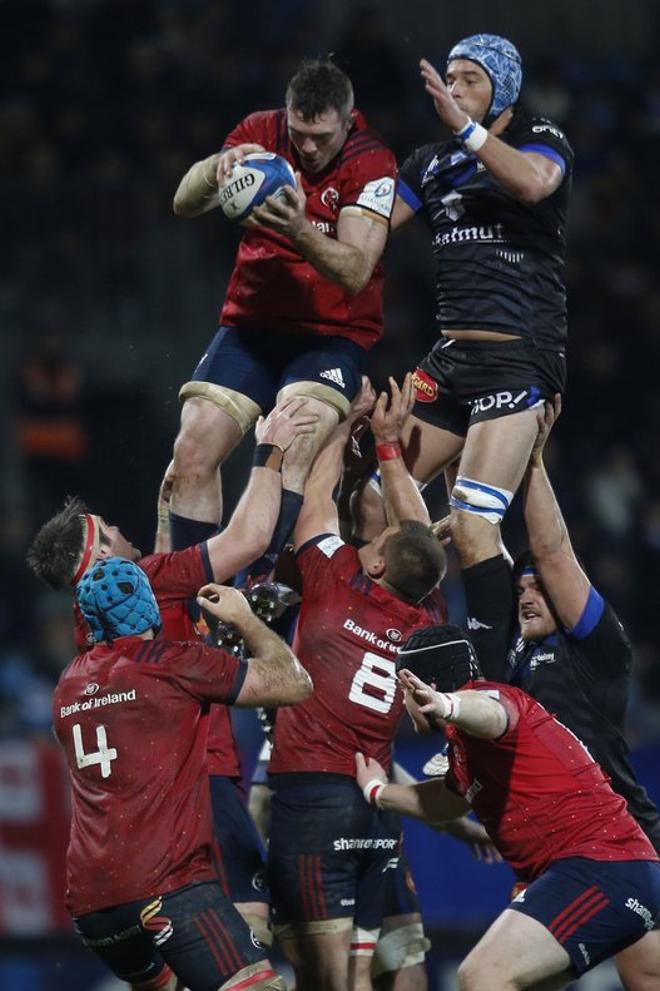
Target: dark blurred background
107 301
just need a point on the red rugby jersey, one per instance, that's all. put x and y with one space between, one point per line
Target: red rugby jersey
538 791
131 720
348 636
176 577
272 287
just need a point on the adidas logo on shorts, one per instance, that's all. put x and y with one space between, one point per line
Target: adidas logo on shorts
334 375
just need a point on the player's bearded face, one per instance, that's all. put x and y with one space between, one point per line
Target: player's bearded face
470 86
534 614
317 141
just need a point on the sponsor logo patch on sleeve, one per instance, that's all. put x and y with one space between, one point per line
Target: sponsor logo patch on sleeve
378 195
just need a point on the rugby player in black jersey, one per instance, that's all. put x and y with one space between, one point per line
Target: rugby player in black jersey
565 646
495 196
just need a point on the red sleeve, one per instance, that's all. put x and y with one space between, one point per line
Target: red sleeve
508 699
254 129
369 177
178 575
322 556
207 673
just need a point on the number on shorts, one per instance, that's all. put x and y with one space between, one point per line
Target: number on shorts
379 675
103 756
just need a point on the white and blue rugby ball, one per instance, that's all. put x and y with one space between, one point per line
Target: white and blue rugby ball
260 175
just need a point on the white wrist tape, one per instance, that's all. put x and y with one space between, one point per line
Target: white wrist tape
473 135
453 706
373 790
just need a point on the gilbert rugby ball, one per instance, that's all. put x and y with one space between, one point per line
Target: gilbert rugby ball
262 174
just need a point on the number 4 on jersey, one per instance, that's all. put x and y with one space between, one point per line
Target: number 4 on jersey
103 756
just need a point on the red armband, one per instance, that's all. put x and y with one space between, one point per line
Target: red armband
387 452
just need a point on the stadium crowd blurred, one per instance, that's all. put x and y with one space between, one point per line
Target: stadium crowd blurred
106 298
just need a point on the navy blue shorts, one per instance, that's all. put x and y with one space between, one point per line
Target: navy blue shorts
329 851
464 382
594 908
400 891
238 853
195 930
258 363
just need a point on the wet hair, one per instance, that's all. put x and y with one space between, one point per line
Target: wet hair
318 86
57 547
415 560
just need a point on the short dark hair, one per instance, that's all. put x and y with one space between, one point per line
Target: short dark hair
523 562
320 85
56 549
415 560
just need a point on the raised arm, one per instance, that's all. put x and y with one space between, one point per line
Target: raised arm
275 676
528 176
564 580
247 535
403 500
319 510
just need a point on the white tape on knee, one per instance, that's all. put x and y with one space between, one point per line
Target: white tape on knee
399 948
487 501
375 482
363 942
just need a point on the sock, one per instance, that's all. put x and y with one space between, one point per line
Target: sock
185 532
260 569
490 599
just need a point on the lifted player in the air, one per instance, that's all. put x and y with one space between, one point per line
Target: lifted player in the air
304 302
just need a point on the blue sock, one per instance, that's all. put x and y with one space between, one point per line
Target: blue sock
261 568
185 532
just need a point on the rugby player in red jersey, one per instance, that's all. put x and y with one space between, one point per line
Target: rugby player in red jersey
304 302
327 858
594 877
130 714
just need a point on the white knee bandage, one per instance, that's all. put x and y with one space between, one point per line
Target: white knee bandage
375 482
487 501
363 942
402 947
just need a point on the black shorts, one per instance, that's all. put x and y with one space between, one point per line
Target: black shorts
238 853
329 851
195 930
464 382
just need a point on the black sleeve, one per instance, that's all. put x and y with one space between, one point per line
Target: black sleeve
411 175
606 648
490 599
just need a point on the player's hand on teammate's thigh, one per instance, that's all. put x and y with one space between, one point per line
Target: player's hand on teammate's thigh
285 422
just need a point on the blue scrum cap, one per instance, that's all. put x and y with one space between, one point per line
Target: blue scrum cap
116 599
500 60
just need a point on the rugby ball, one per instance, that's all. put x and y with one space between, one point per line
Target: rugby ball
260 175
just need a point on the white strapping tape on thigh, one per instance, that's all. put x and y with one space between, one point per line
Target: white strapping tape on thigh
401 947
487 501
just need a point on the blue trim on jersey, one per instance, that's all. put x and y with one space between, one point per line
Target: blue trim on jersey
590 617
548 153
206 560
463 176
409 198
241 675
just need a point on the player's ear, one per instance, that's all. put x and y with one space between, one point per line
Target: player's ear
376 567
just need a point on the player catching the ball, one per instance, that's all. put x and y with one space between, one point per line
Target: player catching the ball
304 302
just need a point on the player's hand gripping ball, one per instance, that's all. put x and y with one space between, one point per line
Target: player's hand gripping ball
262 174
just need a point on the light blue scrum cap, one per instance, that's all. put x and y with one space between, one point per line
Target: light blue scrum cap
500 60
116 599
